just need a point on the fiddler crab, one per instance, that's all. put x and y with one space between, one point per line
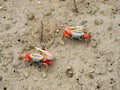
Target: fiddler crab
77 33
42 57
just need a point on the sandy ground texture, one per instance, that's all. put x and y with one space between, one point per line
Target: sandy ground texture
26 23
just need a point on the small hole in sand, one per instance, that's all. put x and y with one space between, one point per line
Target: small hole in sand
5 88
111 82
119 24
88 3
100 73
111 78
15 71
19 40
4 17
98 87
77 79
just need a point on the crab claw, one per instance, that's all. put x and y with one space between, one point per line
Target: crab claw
48 55
67 33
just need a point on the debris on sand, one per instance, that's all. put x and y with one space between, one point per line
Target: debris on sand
5 0
7 26
62 43
4 68
98 22
26 74
69 72
57 31
39 2
30 16
62 0
110 27
44 74
1 78
3 8
94 43
76 9
33 34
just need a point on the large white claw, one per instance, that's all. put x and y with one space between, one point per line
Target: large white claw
39 49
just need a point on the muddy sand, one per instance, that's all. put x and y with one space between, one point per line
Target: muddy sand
26 23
